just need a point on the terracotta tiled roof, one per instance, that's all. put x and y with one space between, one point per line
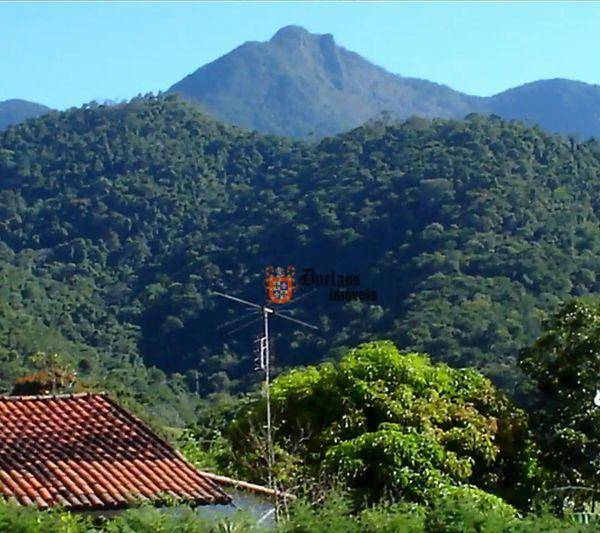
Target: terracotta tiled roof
83 451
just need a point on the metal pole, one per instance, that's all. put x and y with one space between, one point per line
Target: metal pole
265 364
270 458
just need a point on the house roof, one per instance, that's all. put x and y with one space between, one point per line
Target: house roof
83 451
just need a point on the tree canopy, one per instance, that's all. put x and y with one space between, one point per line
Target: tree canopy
395 425
565 364
116 221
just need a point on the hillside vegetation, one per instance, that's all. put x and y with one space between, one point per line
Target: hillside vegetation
117 221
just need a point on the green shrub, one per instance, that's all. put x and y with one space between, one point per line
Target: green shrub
18 519
408 518
180 519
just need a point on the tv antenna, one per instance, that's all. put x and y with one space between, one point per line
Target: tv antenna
265 312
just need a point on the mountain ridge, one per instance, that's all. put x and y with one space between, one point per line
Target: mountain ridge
305 86
321 93
302 85
16 110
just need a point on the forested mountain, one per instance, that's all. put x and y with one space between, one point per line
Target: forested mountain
300 84
15 111
303 85
116 222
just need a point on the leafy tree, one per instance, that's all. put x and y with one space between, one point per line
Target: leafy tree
565 364
393 424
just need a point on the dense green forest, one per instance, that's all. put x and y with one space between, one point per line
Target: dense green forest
117 221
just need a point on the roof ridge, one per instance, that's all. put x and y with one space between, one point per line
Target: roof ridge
142 424
61 396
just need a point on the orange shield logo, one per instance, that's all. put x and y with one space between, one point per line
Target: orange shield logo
280 284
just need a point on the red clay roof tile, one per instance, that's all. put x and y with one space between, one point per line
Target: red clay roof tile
83 451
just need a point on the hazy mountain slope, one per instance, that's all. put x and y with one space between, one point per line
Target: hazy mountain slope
469 231
566 106
303 85
298 84
15 111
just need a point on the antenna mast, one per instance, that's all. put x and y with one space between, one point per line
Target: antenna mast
264 344
264 360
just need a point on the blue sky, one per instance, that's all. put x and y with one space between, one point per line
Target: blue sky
65 54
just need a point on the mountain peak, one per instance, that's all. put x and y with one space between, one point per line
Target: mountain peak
298 34
302 84
291 33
